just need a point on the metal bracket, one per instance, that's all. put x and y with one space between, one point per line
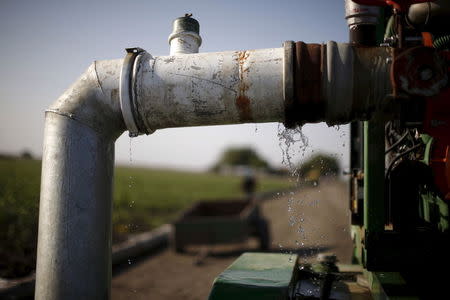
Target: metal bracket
125 90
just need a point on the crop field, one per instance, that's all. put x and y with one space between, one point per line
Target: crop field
143 199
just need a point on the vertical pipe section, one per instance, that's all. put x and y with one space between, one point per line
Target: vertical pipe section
74 253
74 239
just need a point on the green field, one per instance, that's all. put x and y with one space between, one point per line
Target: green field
143 199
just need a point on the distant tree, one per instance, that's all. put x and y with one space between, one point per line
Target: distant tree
321 164
241 156
26 154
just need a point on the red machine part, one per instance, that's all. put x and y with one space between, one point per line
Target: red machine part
400 5
418 71
437 125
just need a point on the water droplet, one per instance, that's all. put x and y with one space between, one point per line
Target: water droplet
288 138
131 156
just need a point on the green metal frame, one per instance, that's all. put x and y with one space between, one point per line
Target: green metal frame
256 276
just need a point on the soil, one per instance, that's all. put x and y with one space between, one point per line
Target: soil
315 216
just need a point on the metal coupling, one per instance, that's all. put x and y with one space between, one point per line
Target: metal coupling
357 14
302 80
128 102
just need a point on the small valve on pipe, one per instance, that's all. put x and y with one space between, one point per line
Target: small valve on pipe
185 37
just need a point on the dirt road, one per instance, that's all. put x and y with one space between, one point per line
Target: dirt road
306 221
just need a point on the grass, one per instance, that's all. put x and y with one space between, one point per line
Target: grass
143 199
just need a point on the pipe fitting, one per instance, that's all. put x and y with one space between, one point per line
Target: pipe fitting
209 88
357 14
334 82
185 37
127 95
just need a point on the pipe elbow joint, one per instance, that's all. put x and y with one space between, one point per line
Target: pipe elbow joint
93 99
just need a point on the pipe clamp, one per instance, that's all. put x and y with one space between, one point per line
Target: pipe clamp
127 103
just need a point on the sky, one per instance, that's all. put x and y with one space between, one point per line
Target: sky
46 45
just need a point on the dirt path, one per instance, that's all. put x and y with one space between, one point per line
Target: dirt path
316 217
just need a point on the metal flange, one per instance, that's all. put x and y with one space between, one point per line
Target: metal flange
127 103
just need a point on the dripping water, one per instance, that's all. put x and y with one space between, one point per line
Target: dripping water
288 138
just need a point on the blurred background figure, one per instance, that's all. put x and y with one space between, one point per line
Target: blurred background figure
249 184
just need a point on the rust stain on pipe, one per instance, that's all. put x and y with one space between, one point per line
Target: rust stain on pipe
243 103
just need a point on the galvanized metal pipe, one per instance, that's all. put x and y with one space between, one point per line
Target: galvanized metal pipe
250 86
74 243
185 37
209 88
74 239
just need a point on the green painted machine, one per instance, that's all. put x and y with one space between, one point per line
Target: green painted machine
400 176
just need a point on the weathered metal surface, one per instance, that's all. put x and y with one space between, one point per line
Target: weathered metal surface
251 86
74 244
338 81
184 43
256 276
94 99
242 101
74 239
185 37
211 88
371 84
